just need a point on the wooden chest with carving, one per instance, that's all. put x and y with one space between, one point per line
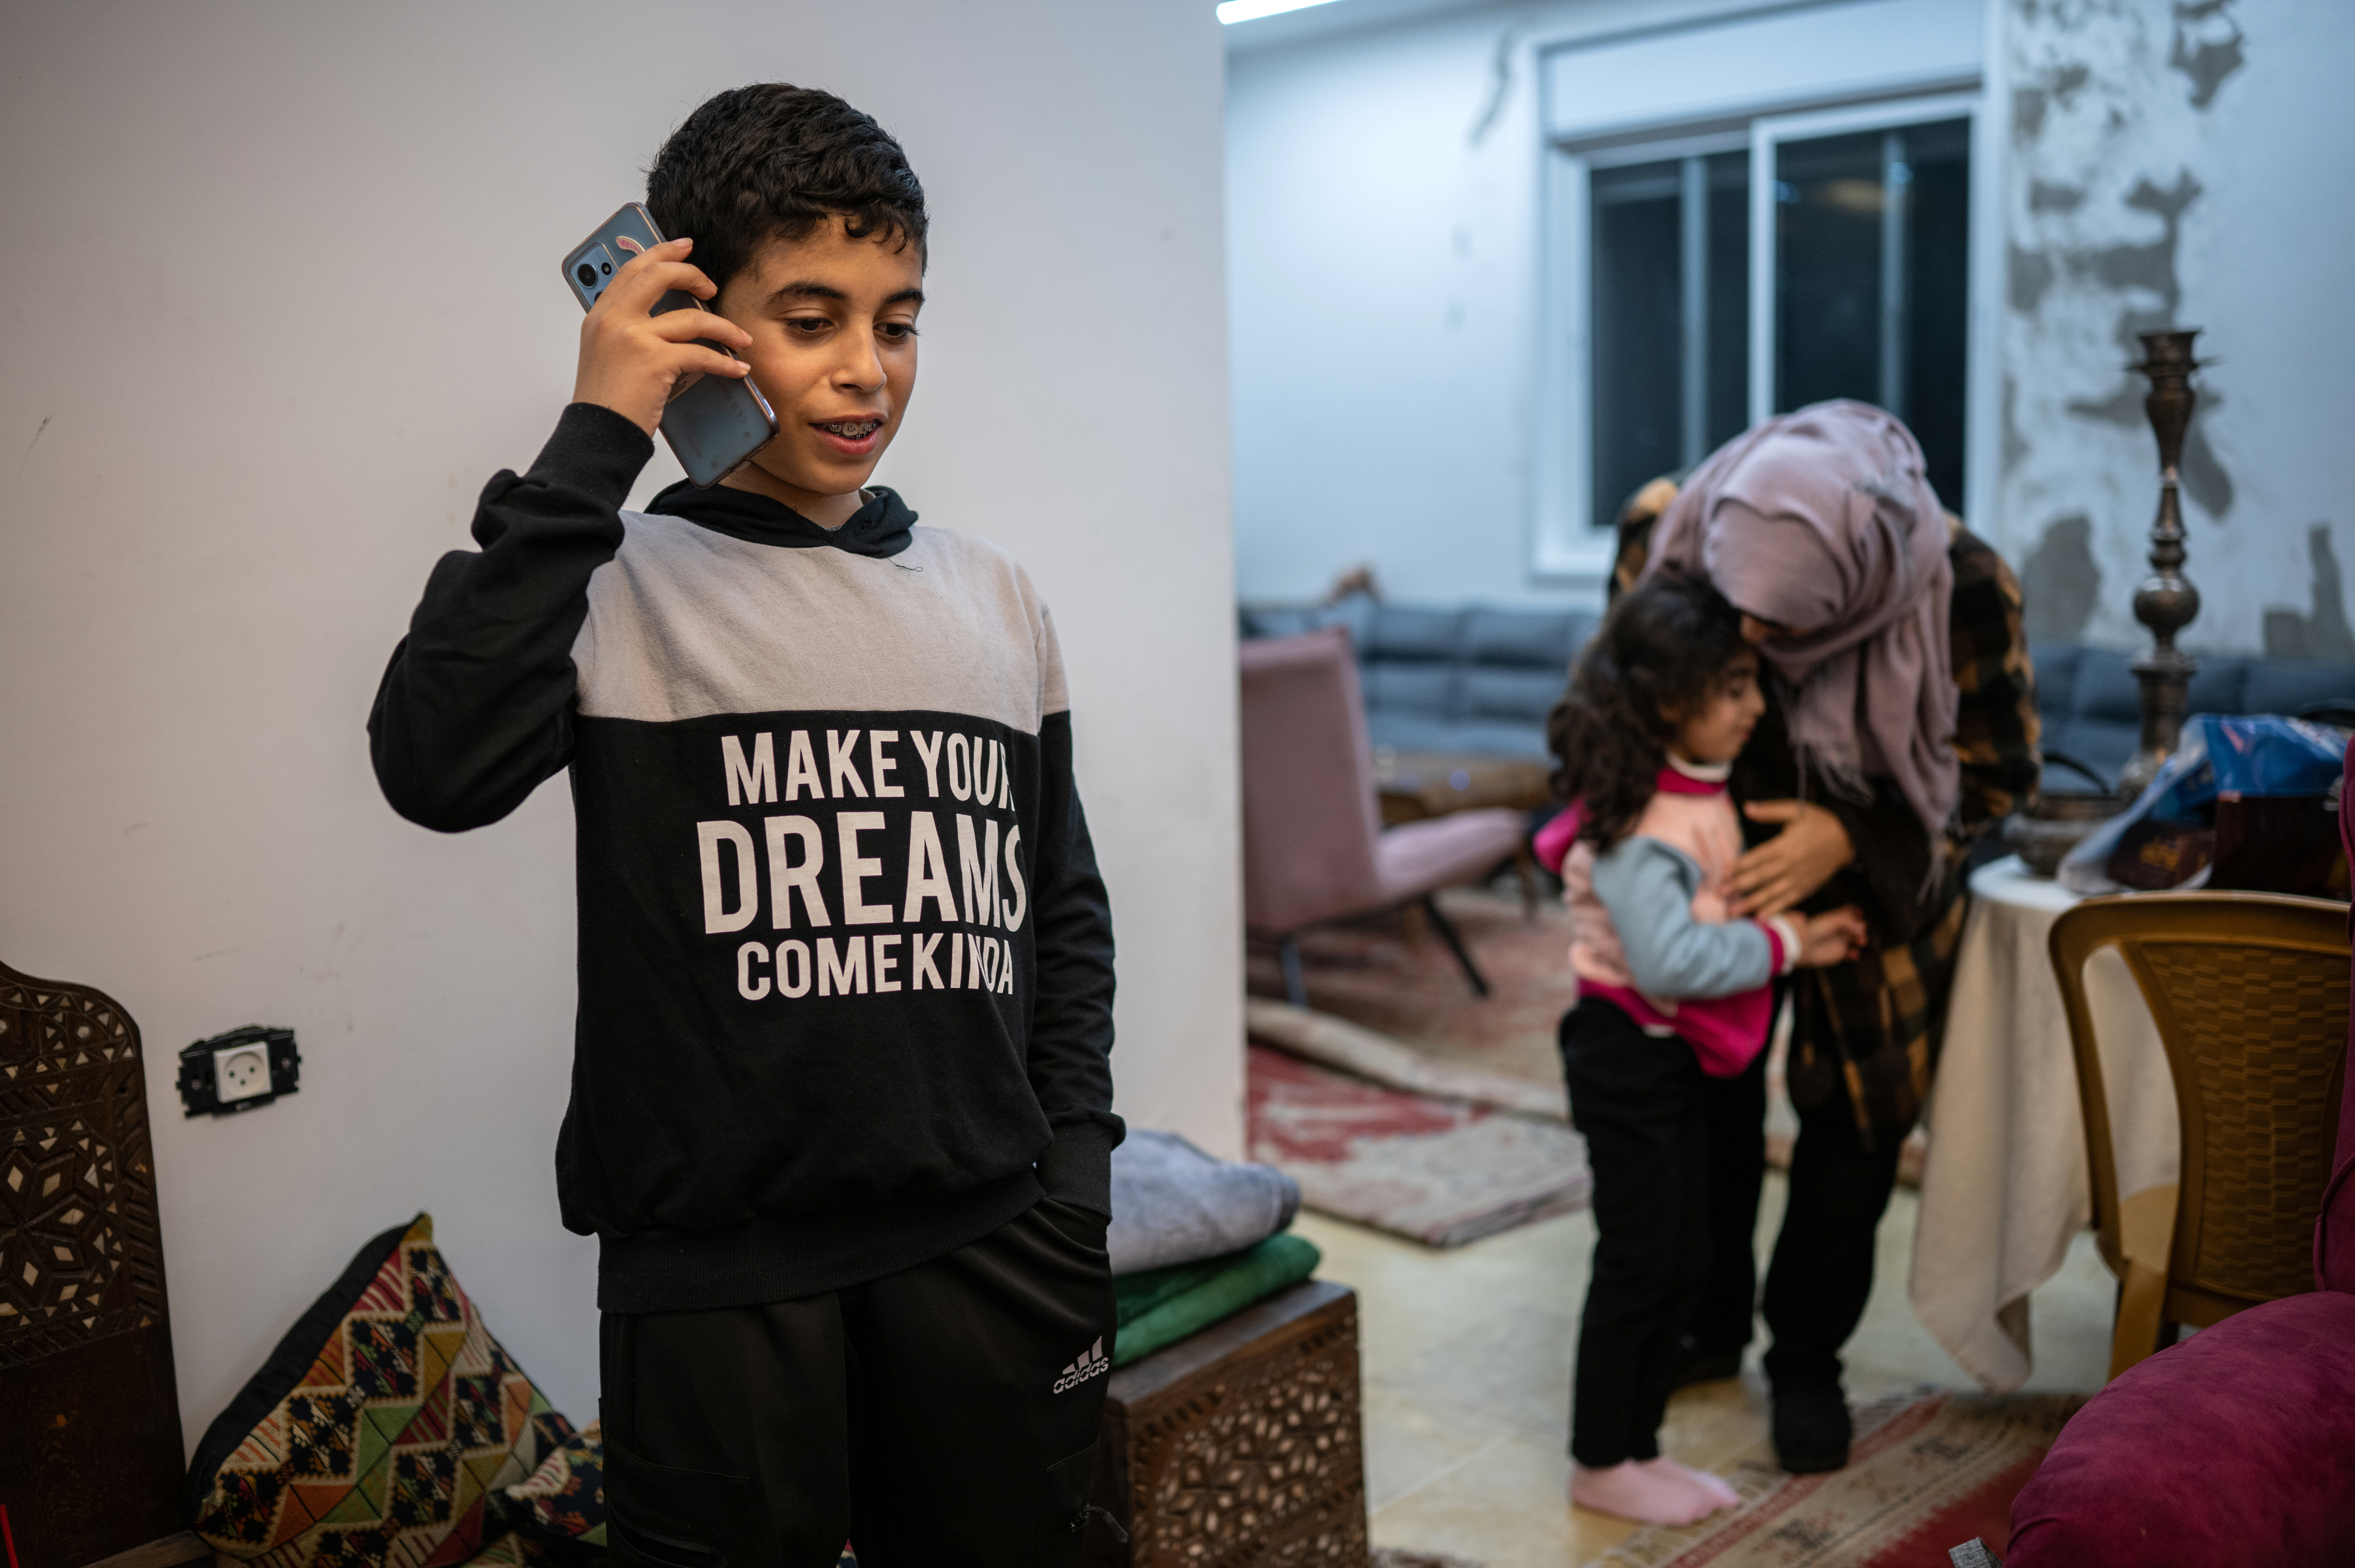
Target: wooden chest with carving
1241 1447
90 1419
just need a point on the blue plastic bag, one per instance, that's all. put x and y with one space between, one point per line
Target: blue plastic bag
2222 758
2266 754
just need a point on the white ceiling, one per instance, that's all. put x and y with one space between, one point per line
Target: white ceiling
1341 16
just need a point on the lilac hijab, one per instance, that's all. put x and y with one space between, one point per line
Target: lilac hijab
1823 522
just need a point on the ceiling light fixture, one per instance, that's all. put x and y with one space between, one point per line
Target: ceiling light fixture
1233 11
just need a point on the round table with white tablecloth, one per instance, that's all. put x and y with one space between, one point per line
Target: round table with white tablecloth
2006 1185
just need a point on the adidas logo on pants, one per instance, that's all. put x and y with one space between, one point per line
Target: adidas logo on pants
1093 1362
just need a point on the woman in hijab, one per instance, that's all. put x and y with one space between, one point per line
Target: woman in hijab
1902 726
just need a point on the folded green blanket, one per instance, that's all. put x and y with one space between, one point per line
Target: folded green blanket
1162 1306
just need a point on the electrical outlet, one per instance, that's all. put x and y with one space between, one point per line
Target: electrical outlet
240 1071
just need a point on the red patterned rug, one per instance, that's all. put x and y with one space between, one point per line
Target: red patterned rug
1929 1470
1385 976
1382 975
1441 1172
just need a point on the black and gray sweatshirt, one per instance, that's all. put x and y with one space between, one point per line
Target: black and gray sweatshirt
845 963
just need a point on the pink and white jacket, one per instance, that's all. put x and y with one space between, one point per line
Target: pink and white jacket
1650 927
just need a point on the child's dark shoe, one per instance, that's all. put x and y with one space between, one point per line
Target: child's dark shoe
1811 1429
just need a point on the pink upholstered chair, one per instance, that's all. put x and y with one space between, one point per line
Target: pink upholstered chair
2237 1445
1314 846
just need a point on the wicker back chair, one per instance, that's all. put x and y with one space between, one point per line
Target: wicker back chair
2248 991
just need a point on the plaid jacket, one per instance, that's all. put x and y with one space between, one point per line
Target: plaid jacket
1870 1028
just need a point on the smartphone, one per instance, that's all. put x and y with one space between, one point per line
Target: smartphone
713 424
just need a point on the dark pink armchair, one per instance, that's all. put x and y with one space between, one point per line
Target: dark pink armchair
1314 846
2235 1447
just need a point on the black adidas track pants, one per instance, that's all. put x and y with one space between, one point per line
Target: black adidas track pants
942 1415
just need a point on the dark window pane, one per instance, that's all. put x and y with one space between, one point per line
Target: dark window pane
1938 292
1637 331
1727 405
1838 241
1827 209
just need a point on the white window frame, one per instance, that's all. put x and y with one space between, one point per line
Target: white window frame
1981 450
1571 546
1574 547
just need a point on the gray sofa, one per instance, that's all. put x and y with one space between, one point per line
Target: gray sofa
1480 679
1437 678
2093 709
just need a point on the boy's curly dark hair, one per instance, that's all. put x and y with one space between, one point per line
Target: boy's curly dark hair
774 161
1666 644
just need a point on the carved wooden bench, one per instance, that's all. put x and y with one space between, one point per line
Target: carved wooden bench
89 1415
1241 1447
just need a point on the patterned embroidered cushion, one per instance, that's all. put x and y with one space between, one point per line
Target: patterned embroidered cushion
565 1497
381 1432
518 1548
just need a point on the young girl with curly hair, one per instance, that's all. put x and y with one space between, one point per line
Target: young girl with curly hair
1672 989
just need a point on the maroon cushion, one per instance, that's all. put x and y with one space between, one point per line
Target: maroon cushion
2235 1447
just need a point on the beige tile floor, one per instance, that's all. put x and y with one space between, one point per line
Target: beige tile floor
1467 1362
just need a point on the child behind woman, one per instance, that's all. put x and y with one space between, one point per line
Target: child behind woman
1671 986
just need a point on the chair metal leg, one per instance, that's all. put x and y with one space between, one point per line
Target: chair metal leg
1454 941
1295 985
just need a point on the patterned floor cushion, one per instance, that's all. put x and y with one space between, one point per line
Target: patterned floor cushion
521 1549
381 1432
564 1500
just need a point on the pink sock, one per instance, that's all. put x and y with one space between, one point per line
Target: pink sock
1645 1492
1715 1487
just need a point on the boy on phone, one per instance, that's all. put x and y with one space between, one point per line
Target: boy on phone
841 1113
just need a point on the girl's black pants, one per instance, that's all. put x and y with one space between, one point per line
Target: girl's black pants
1638 1099
946 1414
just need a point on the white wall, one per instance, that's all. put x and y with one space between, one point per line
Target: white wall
1384 258
2181 171
1385 268
1380 272
286 297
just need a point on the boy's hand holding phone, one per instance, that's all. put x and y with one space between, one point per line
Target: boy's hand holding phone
634 361
1831 938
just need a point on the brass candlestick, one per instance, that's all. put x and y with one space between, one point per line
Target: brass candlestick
2164 602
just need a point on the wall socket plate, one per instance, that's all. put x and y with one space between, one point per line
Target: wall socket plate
238 1071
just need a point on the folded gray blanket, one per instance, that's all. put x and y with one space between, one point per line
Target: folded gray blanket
1172 1203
